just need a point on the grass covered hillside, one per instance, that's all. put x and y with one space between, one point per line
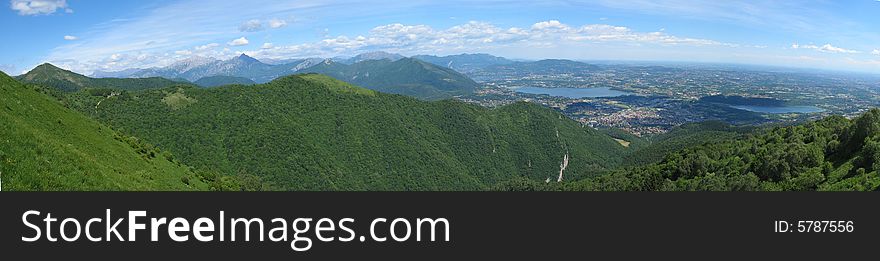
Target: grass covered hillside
67 81
45 146
312 132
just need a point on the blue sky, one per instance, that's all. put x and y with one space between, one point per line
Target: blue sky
85 36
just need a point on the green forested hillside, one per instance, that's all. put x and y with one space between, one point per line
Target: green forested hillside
830 154
312 132
681 137
45 146
406 76
67 81
214 81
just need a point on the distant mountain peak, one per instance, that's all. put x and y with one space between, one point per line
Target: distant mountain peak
190 63
246 58
46 66
45 69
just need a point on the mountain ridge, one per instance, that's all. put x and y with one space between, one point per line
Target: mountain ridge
314 132
465 63
406 76
68 81
386 72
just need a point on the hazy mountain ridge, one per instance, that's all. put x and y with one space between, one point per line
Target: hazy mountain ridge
370 57
406 76
465 63
386 72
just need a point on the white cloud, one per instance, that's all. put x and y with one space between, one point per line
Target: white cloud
206 47
876 51
38 7
827 48
552 24
478 36
239 42
833 49
277 23
544 39
70 37
183 52
251 26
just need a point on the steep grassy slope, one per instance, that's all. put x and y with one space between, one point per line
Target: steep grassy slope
406 76
45 146
312 132
67 81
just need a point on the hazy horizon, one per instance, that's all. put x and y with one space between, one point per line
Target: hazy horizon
87 36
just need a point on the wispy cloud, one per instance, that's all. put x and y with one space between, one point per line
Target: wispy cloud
151 39
876 51
161 43
277 23
70 37
39 7
251 26
793 15
477 36
205 28
828 48
206 46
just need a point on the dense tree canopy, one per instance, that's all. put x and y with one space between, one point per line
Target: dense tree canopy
312 132
830 154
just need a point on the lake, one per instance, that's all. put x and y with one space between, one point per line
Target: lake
779 109
574 93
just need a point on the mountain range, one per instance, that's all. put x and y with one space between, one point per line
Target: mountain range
423 76
380 71
196 68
